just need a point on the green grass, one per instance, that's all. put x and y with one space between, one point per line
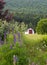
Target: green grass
34 47
37 47
34 39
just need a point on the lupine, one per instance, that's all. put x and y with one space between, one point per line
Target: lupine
15 59
4 35
19 36
14 38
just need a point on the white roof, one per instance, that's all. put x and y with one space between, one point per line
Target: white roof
30 29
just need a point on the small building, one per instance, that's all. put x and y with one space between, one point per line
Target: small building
29 31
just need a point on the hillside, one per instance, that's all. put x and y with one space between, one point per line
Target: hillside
27 5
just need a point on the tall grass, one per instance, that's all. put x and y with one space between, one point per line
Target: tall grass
37 47
33 50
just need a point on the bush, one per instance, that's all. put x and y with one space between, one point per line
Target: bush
19 51
42 27
3 29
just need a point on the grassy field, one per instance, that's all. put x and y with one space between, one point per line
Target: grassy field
35 39
37 47
32 51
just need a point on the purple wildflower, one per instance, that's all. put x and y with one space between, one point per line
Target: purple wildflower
14 38
19 36
4 35
15 59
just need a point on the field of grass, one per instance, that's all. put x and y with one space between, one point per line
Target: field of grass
34 39
32 51
37 48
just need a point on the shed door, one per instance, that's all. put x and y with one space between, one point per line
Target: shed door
30 31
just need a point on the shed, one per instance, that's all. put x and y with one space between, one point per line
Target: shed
29 31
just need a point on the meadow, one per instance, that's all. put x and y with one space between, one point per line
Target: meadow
32 51
16 48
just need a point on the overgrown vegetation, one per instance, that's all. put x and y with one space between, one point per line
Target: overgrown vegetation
17 48
32 50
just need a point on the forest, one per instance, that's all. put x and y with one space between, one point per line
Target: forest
34 6
28 11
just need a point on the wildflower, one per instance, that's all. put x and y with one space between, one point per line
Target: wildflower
4 35
19 36
14 38
15 59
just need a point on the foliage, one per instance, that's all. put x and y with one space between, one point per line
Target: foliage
23 27
31 19
12 27
4 29
32 50
4 15
42 26
20 52
34 6
16 27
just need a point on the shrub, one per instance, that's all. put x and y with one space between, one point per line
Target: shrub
42 27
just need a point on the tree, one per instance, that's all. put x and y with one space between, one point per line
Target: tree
23 27
42 27
4 15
